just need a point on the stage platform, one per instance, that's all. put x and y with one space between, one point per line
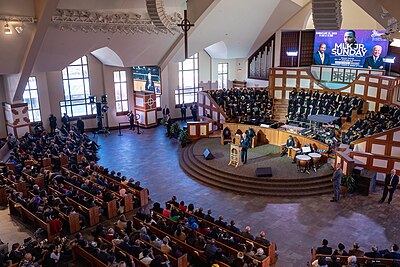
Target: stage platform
286 181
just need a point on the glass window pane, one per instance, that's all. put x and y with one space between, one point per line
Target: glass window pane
119 106
188 64
123 76
188 98
117 92
32 83
188 79
79 110
30 115
124 91
158 101
196 79
196 64
87 87
180 66
219 68
125 105
36 115
177 99
76 89
85 71
65 74
180 80
84 60
75 72
116 76
77 62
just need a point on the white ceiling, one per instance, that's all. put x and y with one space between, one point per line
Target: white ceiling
226 29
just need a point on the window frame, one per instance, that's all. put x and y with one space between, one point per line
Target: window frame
224 76
183 91
121 100
30 104
68 103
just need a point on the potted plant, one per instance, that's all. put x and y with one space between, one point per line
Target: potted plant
183 137
174 131
348 184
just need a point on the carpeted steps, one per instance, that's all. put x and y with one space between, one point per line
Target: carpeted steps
267 186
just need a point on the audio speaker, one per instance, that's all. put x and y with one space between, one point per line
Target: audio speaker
207 154
264 172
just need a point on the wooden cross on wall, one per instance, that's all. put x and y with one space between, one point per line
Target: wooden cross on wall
186 25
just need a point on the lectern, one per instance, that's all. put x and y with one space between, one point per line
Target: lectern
235 158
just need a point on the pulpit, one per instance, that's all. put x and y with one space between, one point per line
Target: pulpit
145 107
235 158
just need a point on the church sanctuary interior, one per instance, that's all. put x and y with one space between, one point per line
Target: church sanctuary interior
260 133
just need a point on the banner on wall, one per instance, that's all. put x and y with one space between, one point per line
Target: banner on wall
350 48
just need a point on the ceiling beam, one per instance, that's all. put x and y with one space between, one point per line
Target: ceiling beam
44 10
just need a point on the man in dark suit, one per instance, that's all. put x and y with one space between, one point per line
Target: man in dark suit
245 143
336 181
375 61
66 121
289 144
325 250
320 57
391 181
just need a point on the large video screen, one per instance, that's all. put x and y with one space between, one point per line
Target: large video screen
146 79
350 48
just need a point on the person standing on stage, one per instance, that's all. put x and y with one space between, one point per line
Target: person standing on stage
245 143
391 181
336 181
131 117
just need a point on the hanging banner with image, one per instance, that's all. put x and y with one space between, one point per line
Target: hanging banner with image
350 48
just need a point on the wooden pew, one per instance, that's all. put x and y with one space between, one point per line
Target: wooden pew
28 217
64 161
182 261
3 195
18 186
264 263
142 194
118 250
128 200
361 261
110 206
188 248
71 220
46 163
39 180
270 251
93 214
78 252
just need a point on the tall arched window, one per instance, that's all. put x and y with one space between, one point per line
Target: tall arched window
77 89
